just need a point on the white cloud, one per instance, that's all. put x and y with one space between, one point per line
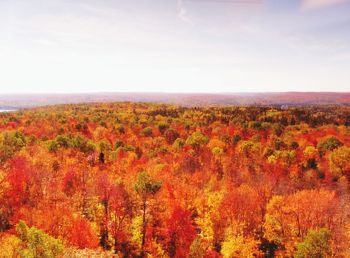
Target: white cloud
182 12
316 4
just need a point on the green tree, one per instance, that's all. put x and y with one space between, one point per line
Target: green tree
146 188
197 139
53 146
35 243
10 142
118 143
340 162
64 141
178 143
328 144
162 126
147 132
315 244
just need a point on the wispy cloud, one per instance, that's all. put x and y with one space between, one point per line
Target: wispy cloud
317 4
182 12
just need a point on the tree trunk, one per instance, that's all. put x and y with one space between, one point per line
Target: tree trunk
144 224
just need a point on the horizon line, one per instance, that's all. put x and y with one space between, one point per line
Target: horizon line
171 93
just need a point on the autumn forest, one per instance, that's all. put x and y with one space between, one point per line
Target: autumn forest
154 180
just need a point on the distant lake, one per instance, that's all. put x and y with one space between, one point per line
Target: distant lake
7 110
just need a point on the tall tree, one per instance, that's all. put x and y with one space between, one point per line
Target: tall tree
146 188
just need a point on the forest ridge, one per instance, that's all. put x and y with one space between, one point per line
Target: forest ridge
159 180
182 99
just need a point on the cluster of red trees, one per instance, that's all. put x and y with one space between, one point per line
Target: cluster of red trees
148 180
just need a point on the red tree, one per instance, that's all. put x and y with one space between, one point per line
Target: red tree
180 232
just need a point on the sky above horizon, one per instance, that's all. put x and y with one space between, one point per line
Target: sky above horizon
63 46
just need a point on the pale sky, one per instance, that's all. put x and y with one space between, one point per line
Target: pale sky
63 46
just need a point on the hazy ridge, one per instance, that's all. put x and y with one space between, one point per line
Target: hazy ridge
184 99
